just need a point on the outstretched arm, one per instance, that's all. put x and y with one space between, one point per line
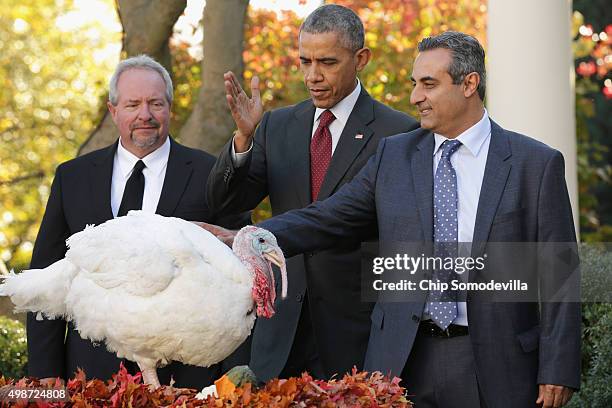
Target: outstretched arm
349 214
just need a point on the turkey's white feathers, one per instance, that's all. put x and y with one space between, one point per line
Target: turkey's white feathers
40 289
153 288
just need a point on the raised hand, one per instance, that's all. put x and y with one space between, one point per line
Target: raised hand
247 112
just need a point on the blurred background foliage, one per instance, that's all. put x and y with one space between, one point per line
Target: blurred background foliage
51 81
593 63
13 348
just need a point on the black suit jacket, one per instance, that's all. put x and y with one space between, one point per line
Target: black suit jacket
279 166
80 195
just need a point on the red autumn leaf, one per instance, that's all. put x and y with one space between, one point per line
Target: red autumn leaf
357 389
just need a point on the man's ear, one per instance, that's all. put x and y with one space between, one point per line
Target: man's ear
470 84
363 56
112 109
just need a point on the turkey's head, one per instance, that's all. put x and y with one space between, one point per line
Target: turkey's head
258 250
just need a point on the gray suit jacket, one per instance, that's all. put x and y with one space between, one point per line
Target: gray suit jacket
279 166
523 199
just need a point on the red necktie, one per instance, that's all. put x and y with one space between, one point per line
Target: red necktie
320 153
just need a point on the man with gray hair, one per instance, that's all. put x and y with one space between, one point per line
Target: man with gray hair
297 155
144 169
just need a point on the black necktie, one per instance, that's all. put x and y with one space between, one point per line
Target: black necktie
134 190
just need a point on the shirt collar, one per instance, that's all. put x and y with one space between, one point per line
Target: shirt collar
473 138
342 110
155 161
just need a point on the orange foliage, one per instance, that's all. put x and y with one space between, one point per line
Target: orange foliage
358 389
271 53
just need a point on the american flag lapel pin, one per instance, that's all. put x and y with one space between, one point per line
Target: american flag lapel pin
359 136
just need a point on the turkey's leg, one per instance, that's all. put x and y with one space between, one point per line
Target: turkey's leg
149 375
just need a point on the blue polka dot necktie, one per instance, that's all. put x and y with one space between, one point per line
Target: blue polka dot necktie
442 304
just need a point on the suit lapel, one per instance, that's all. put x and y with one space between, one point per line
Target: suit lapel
348 145
493 184
178 173
101 180
422 175
299 133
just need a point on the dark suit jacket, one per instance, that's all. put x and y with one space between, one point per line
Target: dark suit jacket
523 199
279 166
80 195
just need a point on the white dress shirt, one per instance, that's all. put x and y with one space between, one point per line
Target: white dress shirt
342 110
154 173
469 163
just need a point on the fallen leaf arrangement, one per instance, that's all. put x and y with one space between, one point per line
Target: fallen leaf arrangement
357 389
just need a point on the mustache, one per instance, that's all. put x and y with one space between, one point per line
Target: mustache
149 123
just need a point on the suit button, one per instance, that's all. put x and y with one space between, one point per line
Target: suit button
299 298
416 318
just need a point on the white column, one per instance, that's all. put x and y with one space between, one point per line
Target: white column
530 84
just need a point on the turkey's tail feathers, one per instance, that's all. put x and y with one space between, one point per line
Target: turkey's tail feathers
40 290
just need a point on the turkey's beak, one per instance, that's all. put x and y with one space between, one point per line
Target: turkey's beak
275 256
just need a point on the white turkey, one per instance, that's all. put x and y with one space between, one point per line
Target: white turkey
157 289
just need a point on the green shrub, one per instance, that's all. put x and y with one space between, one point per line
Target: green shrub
13 348
595 390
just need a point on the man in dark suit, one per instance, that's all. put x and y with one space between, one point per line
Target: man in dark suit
459 178
144 169
297 155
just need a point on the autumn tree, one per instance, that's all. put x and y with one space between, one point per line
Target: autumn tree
210 123
50 98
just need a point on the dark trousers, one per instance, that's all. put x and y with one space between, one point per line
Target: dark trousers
304 355
440 373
